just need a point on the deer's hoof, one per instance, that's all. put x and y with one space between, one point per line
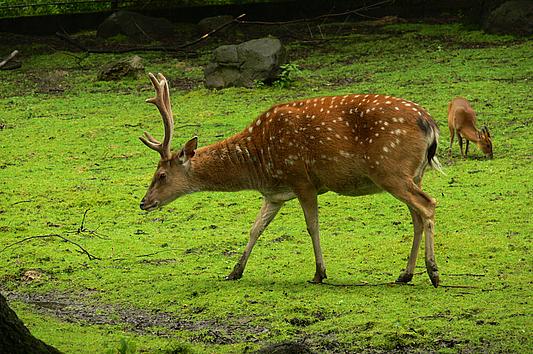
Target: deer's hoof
233 276
434 277
404 278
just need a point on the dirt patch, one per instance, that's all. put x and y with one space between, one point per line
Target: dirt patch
73 310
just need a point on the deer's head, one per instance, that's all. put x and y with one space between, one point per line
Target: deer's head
171 178
485 142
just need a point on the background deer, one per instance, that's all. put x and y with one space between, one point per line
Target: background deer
462 119
352 144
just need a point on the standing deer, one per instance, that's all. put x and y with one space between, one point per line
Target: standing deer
352 145
462 119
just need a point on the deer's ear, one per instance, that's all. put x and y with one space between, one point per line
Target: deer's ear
188 150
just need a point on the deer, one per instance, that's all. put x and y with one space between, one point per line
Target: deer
462 119
355 144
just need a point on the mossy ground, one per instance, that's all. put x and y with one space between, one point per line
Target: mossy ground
69 144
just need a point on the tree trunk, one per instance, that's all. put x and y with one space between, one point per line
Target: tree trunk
15 338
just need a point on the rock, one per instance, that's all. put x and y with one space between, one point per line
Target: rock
210 23
511 17
135 26
128 67
246 63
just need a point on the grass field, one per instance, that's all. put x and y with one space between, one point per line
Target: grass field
69 146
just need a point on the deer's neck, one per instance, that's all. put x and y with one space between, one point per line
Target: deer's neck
229 165
470 133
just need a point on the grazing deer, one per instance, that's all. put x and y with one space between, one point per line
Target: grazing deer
353 145
462 119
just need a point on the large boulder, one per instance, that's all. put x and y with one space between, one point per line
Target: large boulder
135 26
511 17
245 64
117 70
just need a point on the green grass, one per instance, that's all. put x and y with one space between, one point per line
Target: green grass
64 152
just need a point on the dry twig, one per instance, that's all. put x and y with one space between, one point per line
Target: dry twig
91 257
9 58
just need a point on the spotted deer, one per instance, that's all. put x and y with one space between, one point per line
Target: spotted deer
352 145
462 119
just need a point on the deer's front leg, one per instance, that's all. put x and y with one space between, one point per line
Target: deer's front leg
460 139
266 214
452 134
309 203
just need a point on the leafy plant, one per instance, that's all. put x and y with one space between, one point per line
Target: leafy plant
289 73
124 347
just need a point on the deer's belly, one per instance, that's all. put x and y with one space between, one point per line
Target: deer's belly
353 186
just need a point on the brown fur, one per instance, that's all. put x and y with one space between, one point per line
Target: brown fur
462 120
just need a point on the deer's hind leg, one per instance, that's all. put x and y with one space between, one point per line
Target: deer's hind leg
422 208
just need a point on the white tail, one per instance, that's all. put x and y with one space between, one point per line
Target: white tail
462 120
352 144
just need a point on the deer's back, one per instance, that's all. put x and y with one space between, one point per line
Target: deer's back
339 143
460 114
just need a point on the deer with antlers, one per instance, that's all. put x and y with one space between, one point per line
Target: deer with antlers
462 119
352 145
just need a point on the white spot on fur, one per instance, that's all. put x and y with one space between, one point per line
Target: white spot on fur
250 129
386 149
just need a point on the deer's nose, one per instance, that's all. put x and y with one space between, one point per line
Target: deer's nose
142 204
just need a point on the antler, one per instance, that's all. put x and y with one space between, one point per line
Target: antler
162 102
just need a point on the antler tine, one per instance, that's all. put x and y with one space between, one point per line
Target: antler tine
162 102
151 142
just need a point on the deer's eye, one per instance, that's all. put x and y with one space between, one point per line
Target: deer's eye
162 176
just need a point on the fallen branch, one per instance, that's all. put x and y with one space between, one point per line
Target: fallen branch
317 18
9 58
459 286
205 36
91 257
157 252
23 201
83 229
368 284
